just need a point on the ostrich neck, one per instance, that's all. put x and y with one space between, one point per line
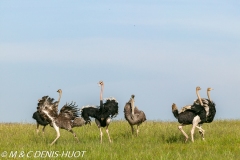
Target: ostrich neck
60 95
199 98
101 92
132 104
208 94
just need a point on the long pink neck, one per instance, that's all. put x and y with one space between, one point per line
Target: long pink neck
101 92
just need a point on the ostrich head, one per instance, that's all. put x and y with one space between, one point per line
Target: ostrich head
59 91
209 89
208 93
198 88
100 83
133 96
131 99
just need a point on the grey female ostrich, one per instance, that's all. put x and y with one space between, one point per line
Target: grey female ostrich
39 118
66 119
195 115
102 114
133 115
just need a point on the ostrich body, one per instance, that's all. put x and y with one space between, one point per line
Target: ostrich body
39 118
195 114
133 115
67 118
102 114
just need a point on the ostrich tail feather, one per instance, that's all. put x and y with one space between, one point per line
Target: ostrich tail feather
78 122
175 110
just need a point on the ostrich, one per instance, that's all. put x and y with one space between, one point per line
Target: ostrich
68 117
102 114
195 115
39 118
133 115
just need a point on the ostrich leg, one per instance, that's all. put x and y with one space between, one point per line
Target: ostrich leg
37 128
137 129
43 129
132 129
196 120
108 135
201 131
73 134
180 128
108 121
99 126
58 133
101 134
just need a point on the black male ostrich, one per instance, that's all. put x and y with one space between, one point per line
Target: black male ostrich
133 115
68 117
195 114
39 118
102 114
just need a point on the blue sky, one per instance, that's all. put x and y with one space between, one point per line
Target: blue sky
158 50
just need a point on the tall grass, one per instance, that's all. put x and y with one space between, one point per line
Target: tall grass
157 140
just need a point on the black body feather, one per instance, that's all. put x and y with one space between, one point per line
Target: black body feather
212 112
187 116
107 110
207 103
40 119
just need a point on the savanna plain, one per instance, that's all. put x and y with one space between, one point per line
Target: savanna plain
160 140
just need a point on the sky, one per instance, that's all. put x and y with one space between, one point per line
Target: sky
158 50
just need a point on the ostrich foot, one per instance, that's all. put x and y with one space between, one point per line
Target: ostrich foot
201 132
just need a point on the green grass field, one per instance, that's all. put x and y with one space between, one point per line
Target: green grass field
157 140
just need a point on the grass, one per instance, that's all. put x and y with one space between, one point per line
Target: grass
157 140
